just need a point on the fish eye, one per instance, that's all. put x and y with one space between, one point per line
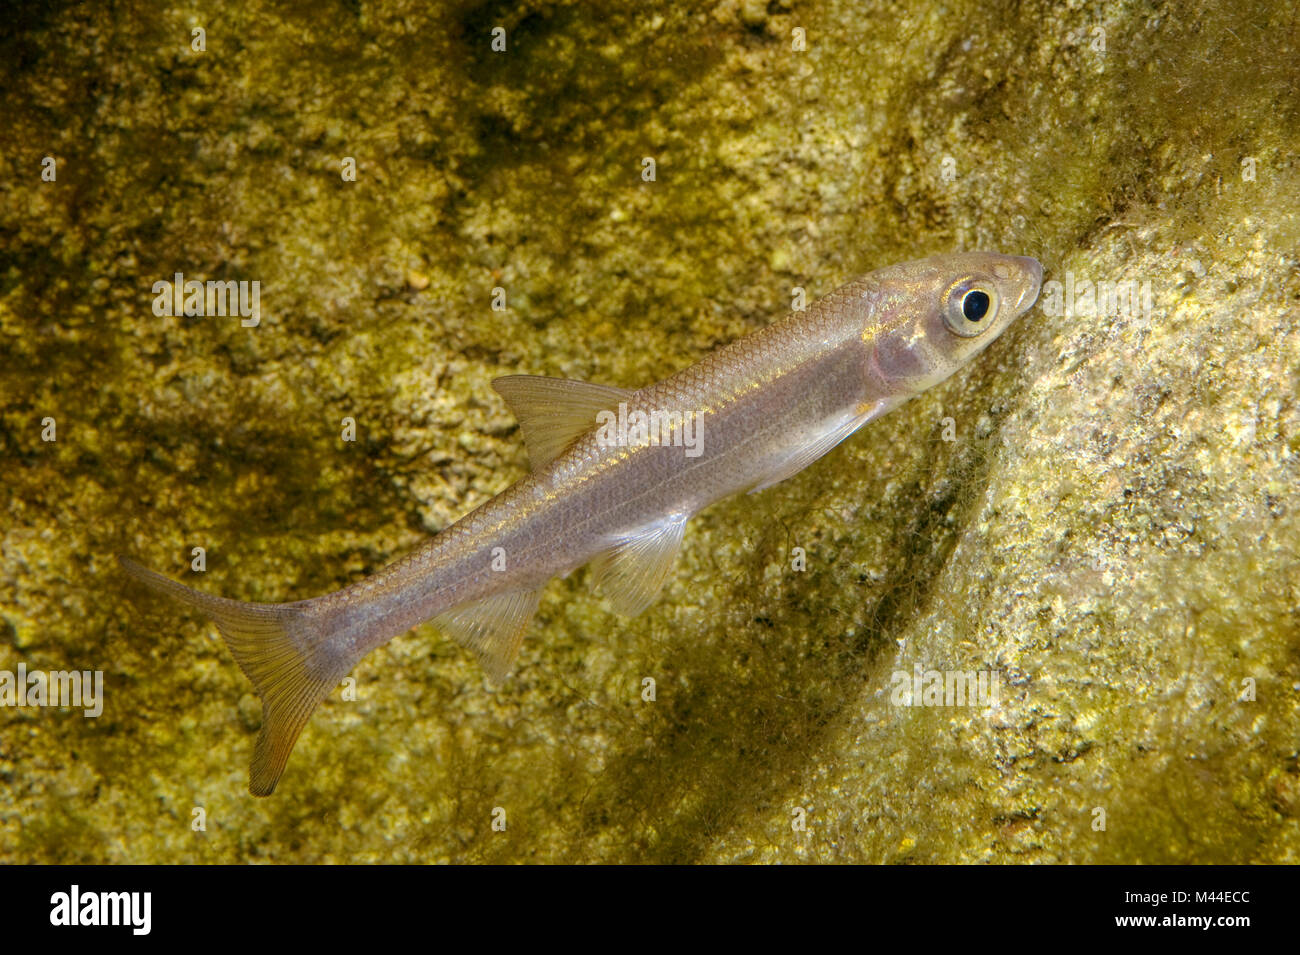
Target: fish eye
969 307
975 304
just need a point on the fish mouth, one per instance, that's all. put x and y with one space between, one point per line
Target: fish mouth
1031 281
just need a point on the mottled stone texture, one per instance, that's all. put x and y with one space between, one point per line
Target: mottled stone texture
1114 527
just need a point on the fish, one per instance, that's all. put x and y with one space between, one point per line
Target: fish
615 474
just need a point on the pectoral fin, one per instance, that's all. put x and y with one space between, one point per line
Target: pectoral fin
632 573
816 445
554 412
493 628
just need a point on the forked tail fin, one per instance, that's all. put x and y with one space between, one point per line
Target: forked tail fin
283 649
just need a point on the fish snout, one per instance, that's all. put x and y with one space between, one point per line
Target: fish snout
1030 281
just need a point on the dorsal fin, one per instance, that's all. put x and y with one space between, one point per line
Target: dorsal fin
493 628
554 412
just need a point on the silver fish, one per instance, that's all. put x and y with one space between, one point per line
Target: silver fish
616 475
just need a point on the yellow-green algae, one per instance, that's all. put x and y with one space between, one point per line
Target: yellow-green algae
1115 527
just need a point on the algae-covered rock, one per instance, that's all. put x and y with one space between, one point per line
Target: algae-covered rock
1100 515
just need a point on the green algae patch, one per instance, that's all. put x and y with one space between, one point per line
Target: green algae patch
1101 512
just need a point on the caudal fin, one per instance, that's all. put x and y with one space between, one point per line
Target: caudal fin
282 649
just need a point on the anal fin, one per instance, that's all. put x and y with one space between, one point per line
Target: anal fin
493 628
632 573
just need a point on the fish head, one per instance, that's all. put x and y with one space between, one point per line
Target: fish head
934 315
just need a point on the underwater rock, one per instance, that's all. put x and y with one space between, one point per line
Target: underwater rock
1100 514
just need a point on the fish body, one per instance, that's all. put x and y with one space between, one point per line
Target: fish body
616 475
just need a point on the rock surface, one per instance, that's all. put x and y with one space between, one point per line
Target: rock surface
1103 512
